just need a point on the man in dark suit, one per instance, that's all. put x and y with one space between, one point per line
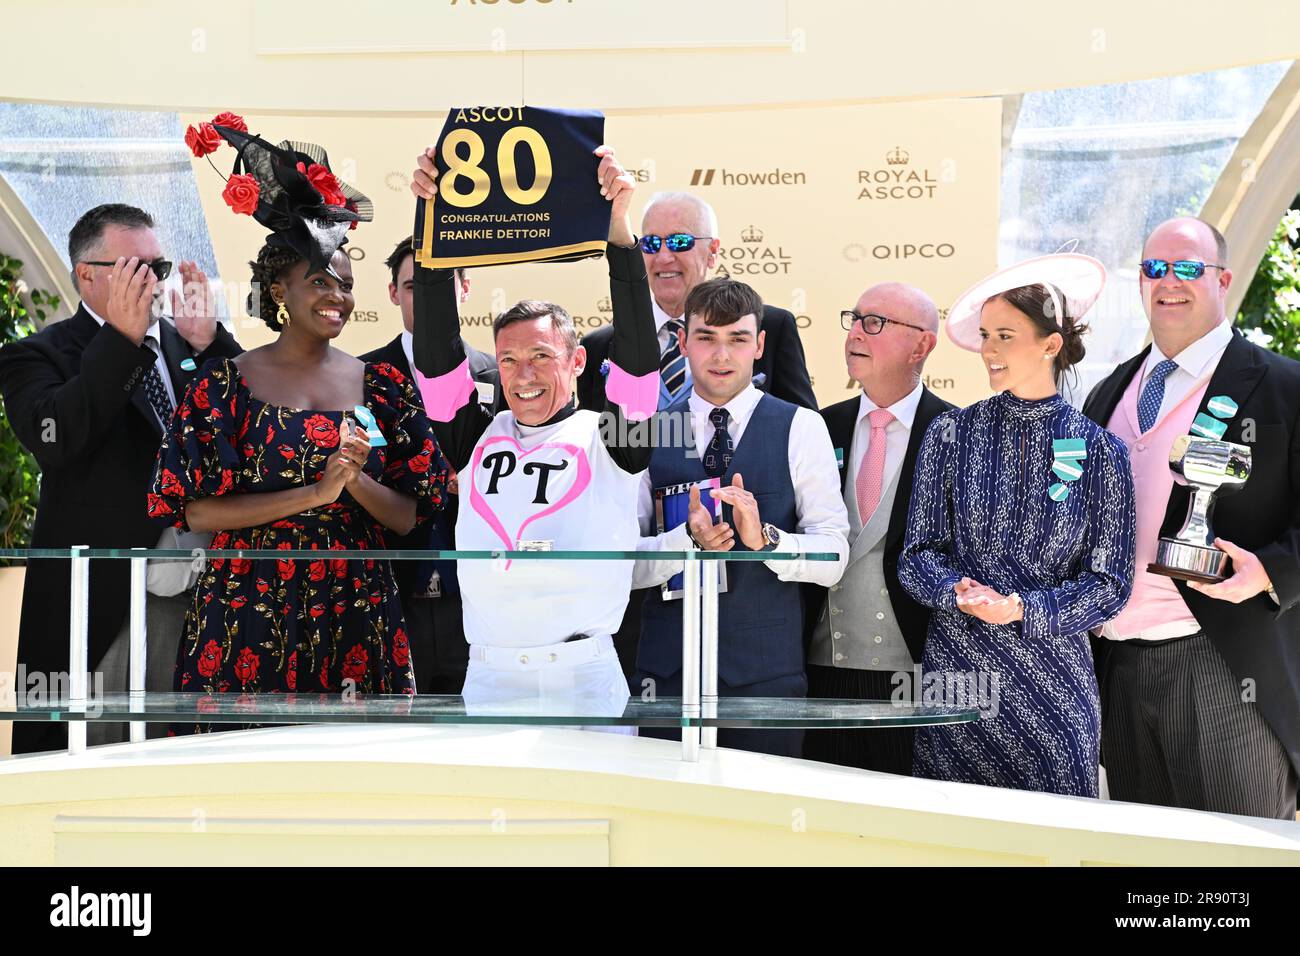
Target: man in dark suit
1201 682
672 220
865 633
429 589
90 397
781 371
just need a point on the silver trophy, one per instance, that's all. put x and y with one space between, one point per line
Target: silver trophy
1211 467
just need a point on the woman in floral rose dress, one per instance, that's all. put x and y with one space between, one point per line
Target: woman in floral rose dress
264 452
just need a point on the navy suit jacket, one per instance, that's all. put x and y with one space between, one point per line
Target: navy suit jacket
1259 640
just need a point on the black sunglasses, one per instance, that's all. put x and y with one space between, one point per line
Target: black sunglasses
161 267
1187 269
677 242
872 324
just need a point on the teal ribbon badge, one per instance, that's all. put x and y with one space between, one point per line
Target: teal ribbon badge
367 421
1067 453
1207 427
1221 406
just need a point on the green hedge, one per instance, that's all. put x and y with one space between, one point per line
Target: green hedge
1270 312
20 310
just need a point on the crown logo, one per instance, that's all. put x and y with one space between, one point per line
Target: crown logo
897 156
605 305
752 234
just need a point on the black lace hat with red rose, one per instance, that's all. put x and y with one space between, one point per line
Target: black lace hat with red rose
288 188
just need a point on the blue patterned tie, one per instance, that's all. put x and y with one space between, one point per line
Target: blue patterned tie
717 457
1153 395
672 364
155 390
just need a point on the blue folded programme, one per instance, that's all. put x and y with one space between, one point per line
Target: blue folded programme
367 421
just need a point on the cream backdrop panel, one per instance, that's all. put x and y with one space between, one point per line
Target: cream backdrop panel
814 204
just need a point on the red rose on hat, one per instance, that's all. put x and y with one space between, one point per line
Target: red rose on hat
203 140
230 121
241 194
323 181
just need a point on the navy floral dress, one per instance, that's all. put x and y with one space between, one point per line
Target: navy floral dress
271 625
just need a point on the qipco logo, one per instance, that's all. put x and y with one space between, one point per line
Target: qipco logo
857 252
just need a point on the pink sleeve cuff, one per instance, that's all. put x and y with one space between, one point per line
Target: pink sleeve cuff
447 394
636 395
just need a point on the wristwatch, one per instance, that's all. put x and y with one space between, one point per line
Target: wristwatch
771 535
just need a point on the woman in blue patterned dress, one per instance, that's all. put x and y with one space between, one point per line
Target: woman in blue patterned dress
1020 536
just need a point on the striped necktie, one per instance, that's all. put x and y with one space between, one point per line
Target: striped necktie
672 363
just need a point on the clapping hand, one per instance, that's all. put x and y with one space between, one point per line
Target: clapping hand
744 511
980 601
194 308
343 468
709 536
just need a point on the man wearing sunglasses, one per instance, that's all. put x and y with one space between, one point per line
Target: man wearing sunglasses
865 630
1200 683
680 242
90 397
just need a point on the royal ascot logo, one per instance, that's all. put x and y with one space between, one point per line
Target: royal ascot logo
753 256
775 176
603 315
898 179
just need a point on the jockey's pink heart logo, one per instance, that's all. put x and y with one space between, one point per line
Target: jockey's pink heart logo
507 461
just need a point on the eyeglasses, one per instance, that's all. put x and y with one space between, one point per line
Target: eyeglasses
677 242
161 267
1184 268
872 324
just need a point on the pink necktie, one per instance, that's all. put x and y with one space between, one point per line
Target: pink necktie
871 473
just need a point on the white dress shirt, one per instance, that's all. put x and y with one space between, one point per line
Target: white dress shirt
897 434
408 346
167 577
823 521
153 338
1194 363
